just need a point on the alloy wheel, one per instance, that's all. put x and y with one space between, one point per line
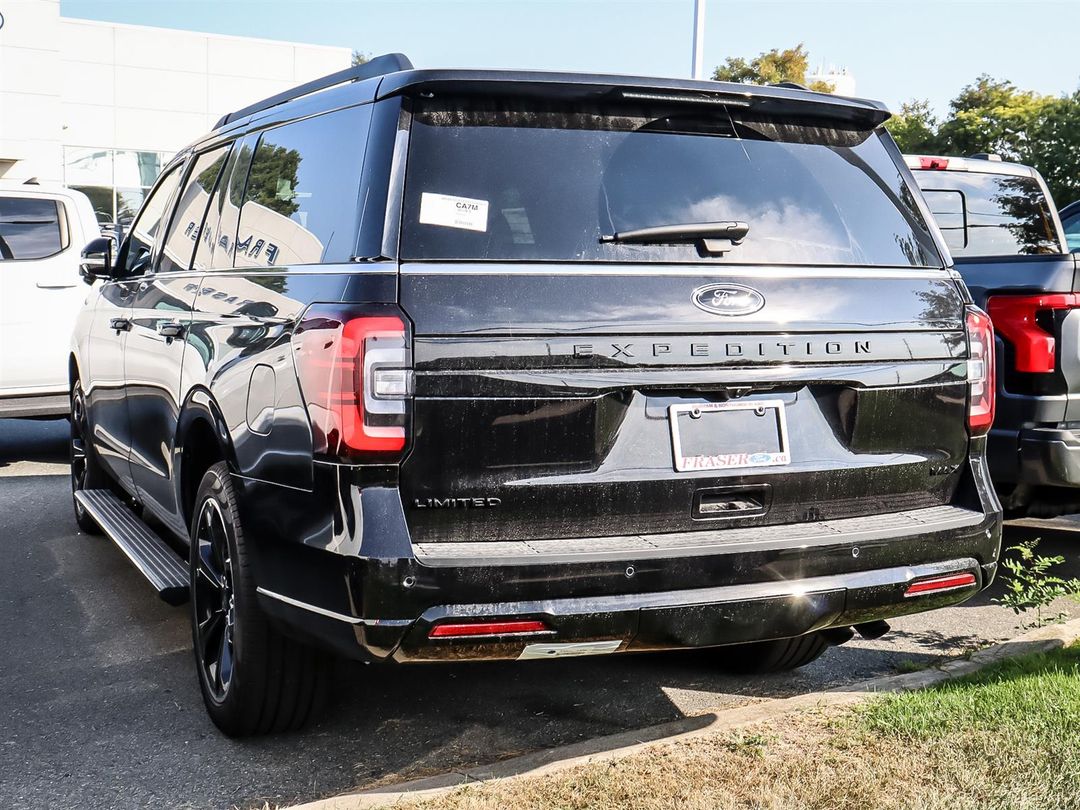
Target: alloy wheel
214 600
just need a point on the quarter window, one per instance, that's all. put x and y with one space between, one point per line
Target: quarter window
31 228
300 204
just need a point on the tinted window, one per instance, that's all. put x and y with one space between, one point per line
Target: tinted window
502 181
997 215
145 231
31 229
300 204
229 199
186 229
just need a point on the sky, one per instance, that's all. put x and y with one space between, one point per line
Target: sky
896 50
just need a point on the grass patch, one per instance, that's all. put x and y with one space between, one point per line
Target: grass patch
1007 737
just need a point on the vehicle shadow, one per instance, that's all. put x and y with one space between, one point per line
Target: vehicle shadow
33 440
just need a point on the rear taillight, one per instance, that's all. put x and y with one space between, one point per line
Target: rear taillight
1016 318
933 163
355 374
980 368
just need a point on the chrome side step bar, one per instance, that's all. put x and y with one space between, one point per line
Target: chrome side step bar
155 559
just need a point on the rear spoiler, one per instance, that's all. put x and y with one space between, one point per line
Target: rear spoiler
774 100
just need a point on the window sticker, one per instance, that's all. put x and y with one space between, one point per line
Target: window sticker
453 212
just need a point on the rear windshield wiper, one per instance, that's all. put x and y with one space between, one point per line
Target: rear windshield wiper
713 237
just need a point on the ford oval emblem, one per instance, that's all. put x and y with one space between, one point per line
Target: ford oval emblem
728 299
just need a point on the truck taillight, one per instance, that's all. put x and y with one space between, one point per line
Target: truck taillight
355 375
935 163
981 373
1016 318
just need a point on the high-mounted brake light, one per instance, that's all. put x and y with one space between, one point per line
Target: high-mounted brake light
465 630
933 163
1016 320
355 375
948 582
981 372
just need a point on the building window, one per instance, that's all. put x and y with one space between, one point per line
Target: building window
115 180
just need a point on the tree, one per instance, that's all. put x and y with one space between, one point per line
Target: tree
770 67
915 128
360 58
992 116
1054 147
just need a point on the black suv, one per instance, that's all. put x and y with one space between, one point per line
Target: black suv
1004 234
423 365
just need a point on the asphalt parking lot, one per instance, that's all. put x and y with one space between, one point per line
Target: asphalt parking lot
99 706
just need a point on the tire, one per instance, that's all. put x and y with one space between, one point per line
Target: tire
86 470
253 679
781 655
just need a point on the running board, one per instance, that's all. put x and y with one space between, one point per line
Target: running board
155 559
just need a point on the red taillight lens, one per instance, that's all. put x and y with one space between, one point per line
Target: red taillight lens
355 376
949 582
933 163
981 373
1015 318
487 629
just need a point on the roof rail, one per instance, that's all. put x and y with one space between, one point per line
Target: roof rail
376 66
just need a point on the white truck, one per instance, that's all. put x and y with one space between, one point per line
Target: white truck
43 229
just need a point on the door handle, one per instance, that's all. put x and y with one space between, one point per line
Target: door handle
120 324
170 329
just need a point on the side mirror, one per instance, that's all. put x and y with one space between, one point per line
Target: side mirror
97 260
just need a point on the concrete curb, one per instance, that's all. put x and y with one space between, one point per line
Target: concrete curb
617 746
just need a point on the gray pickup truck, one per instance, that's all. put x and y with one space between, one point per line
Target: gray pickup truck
1006 239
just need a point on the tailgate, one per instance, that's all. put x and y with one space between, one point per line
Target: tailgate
550 402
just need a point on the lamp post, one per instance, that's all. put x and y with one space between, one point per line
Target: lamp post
696 68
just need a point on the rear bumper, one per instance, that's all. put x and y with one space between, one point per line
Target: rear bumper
737 588
1049 457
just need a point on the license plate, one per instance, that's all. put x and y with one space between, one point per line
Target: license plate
729 435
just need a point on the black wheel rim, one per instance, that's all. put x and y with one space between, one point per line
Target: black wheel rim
213 600
77 446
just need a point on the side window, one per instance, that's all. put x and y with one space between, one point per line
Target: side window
230 198
951 215
148 224
31 228
300 204
185 230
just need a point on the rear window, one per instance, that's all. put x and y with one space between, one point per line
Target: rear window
502 180
990 214
31 228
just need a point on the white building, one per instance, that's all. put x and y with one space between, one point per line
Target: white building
843 83
101 106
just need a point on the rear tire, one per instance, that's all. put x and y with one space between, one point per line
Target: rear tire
253 679
781 655
86 470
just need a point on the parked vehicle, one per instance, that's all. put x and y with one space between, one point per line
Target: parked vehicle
1004 234
1070 224
42 229
434 365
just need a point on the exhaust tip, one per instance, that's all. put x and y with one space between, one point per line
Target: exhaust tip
872 630
838 635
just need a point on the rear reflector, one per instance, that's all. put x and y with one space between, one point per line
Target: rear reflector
933 163
487 629
1015 320
949 582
